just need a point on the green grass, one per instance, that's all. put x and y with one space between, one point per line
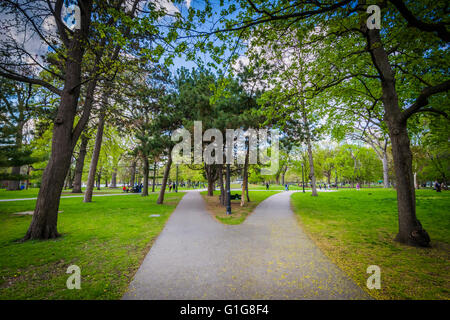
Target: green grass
238 213
356 229
33 192
107 239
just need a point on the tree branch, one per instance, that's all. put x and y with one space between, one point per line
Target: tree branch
300 15
440 112
422 100
62 28
17 77
438 28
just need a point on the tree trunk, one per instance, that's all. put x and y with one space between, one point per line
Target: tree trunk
68 178
211 177
283 173
222 188
146 171
244 193
312 176
246 190
94 160
44 222
410 228
72 175
210 186
133 173
385 171
14 184
80 164
114 178
28 178
99 179
165 178
416 186
311 169
154 177
336 181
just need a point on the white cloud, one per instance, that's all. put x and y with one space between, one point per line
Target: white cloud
167 5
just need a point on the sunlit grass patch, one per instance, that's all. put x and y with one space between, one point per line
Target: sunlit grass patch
107 239
356 229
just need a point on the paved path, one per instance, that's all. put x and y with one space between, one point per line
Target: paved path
266 257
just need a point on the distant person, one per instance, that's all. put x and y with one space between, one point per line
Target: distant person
438 187
320 186
124 189
286 187
267 186
325 186
357 186
170 187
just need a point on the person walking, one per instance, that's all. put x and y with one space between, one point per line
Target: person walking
267 186
357 186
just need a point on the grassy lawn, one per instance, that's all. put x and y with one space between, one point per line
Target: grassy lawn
355 229
107 239
238 213
33 192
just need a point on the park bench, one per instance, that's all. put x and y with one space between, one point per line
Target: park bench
235 197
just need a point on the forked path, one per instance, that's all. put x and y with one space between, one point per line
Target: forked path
266 257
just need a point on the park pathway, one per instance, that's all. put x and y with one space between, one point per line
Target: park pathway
266 257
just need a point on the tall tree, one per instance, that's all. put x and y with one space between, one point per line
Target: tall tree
16 109
348 48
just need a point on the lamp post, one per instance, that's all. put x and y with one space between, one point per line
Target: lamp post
303 180
176 185
228 189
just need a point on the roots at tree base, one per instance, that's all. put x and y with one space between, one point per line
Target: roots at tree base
418 237
45 233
